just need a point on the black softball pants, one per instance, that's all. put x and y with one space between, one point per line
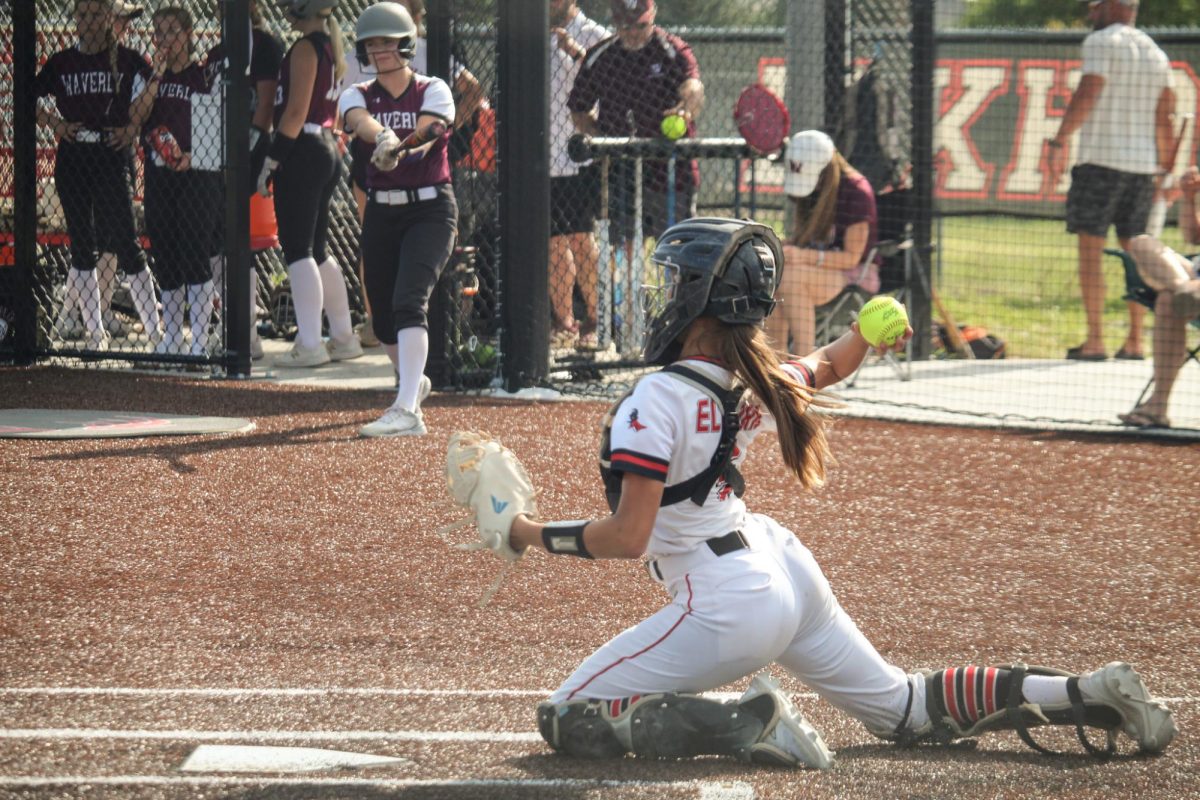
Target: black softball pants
92 181
304 186
405 248
183 220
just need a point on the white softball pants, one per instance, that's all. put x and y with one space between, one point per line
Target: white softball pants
732 615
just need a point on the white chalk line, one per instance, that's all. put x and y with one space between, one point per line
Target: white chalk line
334 691
66 734
707 790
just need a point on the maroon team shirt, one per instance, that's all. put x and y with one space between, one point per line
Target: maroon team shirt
641 84
322 107
173 103
400 114
85 88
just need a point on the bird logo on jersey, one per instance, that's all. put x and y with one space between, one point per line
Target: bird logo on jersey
633 421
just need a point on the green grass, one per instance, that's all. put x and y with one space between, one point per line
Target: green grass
1020 280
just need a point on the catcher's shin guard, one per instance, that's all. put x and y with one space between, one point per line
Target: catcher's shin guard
662 726
962 704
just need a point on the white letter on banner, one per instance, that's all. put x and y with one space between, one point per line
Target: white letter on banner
966 90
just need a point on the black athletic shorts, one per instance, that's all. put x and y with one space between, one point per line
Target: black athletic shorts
1101 197
575 201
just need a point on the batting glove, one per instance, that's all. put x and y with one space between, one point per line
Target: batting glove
265 176
387 150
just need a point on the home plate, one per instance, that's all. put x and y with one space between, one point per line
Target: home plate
254 758
40 423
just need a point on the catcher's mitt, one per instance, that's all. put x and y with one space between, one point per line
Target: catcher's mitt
486 477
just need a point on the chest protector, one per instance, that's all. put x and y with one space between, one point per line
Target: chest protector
721 465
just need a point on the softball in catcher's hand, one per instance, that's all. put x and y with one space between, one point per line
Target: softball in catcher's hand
674 127
882 320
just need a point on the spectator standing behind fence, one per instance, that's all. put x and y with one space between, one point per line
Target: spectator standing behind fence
266 56
69 325
411 218
626 85
1122 108
183 194
1175 279
305 166
468 95
835 226
574 188
93 84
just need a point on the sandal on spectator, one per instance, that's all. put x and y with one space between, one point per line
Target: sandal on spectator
1077 354
1140 418
1128 355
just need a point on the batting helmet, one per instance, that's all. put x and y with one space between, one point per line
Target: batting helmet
387 21
303 9
723 268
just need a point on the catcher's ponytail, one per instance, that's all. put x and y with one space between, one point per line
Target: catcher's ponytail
801 434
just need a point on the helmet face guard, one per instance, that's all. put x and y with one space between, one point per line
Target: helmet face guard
385 20
723 268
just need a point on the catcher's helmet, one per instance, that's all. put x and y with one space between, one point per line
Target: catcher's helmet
388 21
723 268
303 9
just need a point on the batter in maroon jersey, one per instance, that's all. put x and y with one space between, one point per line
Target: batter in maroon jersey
411 219
93 84
304 164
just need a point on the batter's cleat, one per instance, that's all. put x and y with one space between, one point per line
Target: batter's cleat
424 390
346 350
395 421
788 739
1144 719
303 357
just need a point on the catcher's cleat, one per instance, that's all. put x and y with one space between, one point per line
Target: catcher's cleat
1144 719
788 739
395 421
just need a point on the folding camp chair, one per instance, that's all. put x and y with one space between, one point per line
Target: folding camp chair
895 252
1137 291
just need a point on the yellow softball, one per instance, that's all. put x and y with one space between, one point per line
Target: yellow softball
673 127
882 320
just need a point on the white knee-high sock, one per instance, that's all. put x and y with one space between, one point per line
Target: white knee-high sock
106 274
412 348
172 312
217 265
141 286
201 297
337 300
84 289
305 279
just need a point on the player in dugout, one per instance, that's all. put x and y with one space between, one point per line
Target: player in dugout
745 591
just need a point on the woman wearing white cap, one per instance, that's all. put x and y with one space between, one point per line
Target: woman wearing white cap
834 226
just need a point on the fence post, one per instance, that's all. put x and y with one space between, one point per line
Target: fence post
522 123
235 35
924 57
24 18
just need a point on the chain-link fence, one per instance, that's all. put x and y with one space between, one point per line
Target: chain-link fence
968 159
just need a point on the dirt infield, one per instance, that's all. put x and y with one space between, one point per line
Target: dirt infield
160 593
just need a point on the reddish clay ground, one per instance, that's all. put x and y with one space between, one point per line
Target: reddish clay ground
300 556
